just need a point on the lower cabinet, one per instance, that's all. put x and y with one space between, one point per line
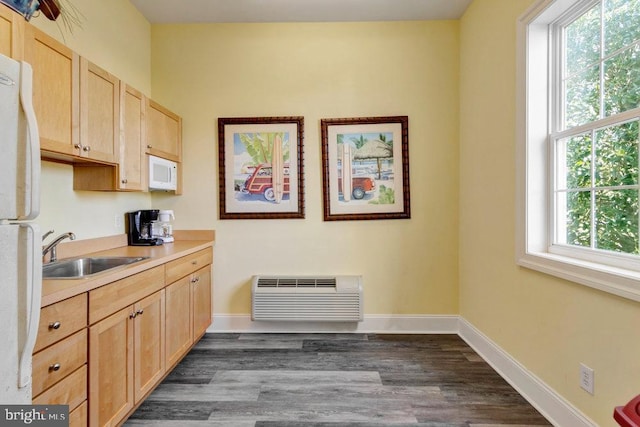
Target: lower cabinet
126 358
104 351
60 358
184 327
178 320
131 350
201 301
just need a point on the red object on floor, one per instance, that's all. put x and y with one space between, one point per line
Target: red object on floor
629 414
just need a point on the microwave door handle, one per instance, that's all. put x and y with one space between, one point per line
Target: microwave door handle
34 296
26 100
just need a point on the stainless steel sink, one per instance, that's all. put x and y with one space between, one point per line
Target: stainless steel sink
78 268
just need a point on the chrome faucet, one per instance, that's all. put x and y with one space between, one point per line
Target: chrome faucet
51 247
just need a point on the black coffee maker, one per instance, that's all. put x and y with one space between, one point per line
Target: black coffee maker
139 227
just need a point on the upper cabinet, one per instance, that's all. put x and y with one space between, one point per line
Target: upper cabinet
11 33
87 116
164 132
99 113
55 91
132 146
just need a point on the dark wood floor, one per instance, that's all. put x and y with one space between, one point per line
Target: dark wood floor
322 380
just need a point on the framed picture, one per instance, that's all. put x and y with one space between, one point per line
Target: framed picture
260 167
365 163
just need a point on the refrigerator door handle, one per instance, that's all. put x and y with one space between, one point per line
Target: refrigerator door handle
34 297
26 100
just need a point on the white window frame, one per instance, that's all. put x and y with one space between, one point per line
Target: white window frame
534 165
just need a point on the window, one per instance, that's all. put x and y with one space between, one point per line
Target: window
578 121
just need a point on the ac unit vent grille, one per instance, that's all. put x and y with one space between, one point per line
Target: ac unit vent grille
307 298
292 282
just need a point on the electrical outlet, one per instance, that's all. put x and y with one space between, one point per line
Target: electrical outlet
586 378
117 222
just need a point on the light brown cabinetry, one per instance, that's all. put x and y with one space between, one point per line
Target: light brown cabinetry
132 171
149 333
130 175
190 286
87 116
111 368
60 357
127 359
164 132
104 351
11 33
178 332
126 348
56 72
201 301
99 113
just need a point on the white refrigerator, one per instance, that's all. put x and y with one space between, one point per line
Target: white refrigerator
20 238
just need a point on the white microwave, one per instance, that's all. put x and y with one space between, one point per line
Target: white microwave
163 174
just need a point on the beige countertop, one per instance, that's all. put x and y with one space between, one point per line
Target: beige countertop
54 290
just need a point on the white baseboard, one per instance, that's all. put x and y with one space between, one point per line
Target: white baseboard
388 324
550 404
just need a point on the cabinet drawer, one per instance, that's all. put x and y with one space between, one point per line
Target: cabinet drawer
59 320
184 266
79 416
70 391
56 362
108 299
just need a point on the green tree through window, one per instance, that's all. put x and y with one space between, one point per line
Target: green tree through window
596 141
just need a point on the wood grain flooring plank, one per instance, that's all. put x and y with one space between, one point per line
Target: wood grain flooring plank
334 380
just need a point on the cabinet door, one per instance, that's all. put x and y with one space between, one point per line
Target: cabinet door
178 320
55 91
111 368
164 132
132 146
201 291
11 33
149 343
99 113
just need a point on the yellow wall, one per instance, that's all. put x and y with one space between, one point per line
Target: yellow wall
115 36
321 70
548 325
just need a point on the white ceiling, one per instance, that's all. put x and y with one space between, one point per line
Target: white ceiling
184 11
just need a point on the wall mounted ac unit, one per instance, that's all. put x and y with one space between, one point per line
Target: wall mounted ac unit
307 298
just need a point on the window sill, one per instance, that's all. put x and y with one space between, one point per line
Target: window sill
617 281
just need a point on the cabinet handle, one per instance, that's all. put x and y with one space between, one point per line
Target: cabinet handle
124 181
86 148
139 312
77 146
132 315
55 325
195 280
55 367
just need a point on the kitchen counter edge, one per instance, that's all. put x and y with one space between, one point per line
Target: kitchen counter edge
55 290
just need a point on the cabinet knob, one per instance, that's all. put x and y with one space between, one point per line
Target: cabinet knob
132 315
55 325
86 148
194 262
124 181
139 312
55 367
148 145
77 146
195 280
